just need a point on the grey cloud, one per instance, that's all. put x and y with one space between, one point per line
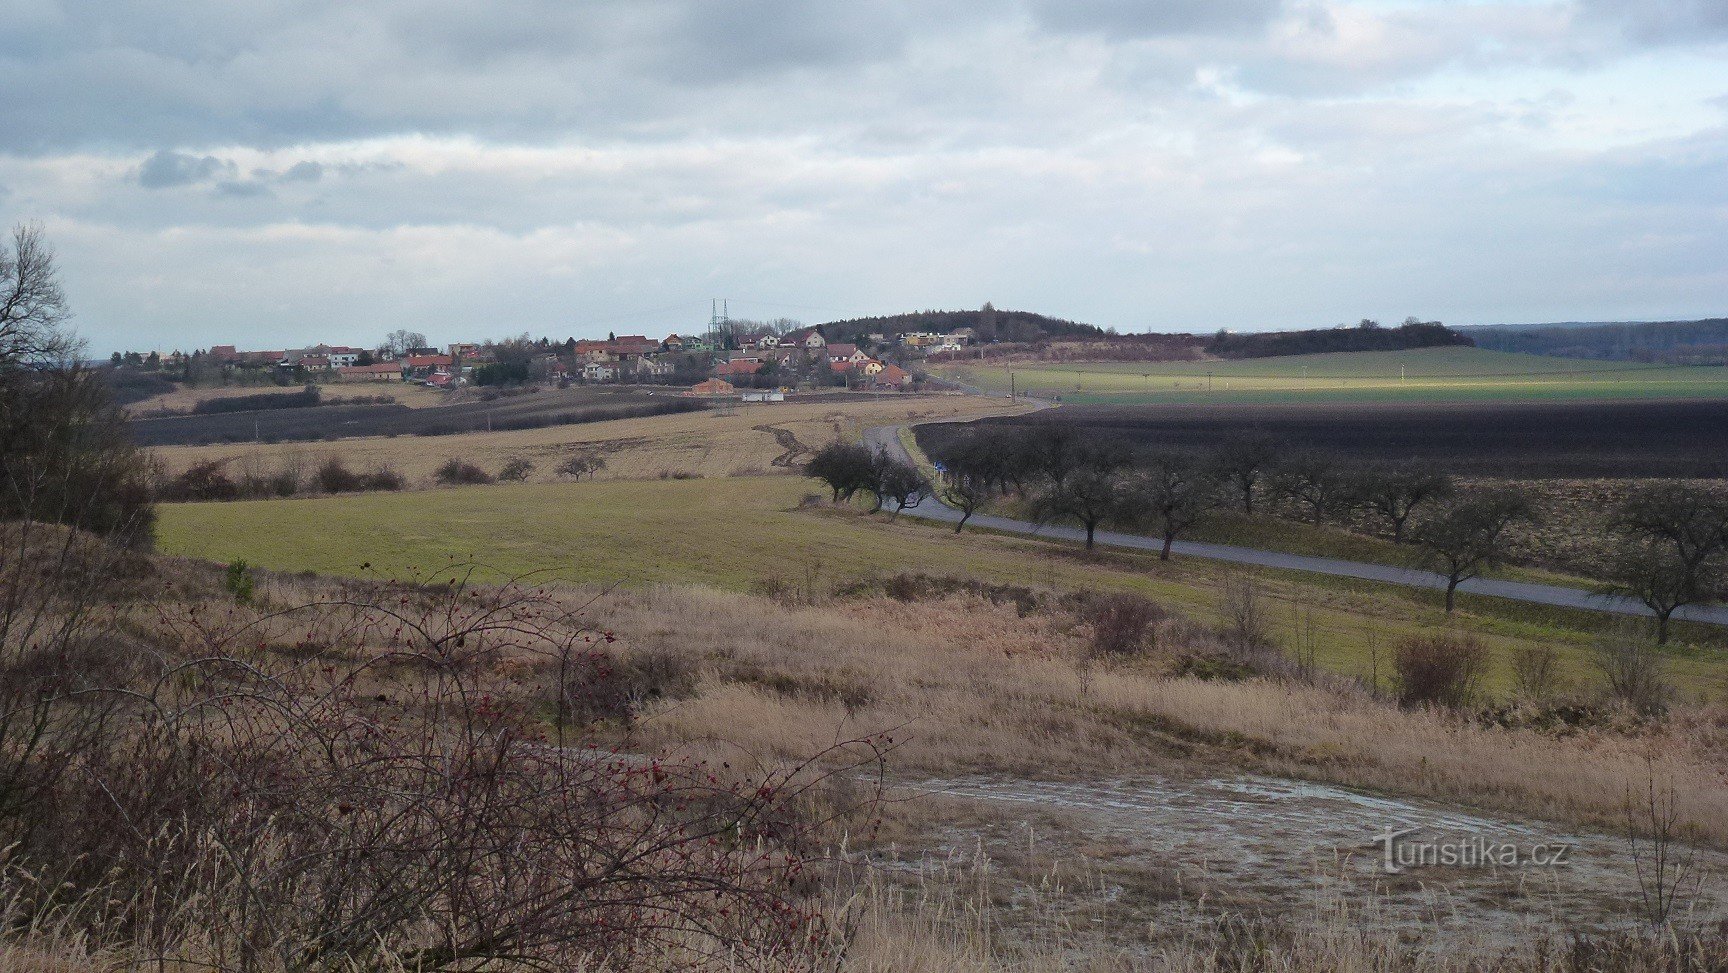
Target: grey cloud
166 169
242 190
1139 18
1662 21
303 171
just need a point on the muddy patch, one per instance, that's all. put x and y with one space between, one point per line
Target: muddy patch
1305 851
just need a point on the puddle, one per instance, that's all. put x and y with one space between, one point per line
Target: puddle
1262 844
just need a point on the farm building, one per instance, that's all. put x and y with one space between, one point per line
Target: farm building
384 372
712 386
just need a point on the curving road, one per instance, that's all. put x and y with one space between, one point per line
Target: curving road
888 438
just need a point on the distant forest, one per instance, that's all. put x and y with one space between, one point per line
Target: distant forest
1367 336
1669 342
988 324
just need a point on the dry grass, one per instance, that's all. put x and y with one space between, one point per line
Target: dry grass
726 442
971 687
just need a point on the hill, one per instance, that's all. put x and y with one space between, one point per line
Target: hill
988 324
1702 342
1367 336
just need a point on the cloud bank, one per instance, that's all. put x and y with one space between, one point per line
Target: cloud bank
310 169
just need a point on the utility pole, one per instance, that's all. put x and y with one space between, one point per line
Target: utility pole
1208 381
1010 385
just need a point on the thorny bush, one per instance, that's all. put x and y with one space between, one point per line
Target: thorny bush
348 782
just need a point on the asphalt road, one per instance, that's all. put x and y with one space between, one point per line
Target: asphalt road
888 438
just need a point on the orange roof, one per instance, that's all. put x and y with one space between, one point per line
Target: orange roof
712 386
383 368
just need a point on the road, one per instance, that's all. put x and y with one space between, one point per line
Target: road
888 438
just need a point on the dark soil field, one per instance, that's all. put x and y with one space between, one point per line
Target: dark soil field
526 411
1526 440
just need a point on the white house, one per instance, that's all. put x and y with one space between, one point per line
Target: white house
596 371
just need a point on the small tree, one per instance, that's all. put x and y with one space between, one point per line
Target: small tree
1089 495
1657 575
1676 539
1693 523
1469 537
1395 492
1170 495
897 481
965 492
845 467
1314 482
1243 464
585 464
516 470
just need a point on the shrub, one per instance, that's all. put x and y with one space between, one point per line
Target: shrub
333 476
207 480
294 825
1246 624
516 470
385 477
1632 667
1121 623
458 471
1533 674
1439 670
238 582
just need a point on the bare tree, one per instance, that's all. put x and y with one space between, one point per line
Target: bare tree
1692 522
1394 492
32 305
1313 481
1088 495
1469 537
1659 576
1676 538
965 492
398 342
1244 463
898 481
1171 493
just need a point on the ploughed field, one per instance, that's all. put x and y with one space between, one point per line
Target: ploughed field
526 411
1526 440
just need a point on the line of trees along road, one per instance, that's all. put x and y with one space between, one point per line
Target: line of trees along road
1670 540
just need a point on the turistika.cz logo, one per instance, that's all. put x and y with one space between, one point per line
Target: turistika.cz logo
1400 850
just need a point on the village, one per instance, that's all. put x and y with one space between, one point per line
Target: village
760 364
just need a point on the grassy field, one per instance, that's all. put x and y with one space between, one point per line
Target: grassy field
1429 374
740 440
415 396
742 532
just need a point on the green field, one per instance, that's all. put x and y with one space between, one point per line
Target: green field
740 532
1428 374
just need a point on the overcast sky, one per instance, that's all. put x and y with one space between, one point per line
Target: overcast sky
276 172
